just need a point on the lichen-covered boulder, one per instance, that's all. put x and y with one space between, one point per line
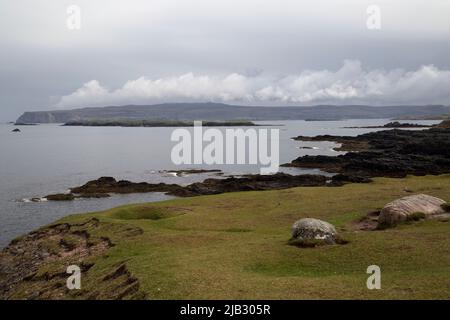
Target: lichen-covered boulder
311 232
408 208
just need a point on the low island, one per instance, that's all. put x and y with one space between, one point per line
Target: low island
156 123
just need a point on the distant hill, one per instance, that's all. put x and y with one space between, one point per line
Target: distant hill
223 112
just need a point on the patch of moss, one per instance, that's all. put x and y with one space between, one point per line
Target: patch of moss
51 246
311 243
306 243
69 241
416 216
384 226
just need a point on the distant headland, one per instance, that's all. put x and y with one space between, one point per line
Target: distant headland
224 112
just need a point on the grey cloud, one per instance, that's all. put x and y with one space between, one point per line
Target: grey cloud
268 43
349 84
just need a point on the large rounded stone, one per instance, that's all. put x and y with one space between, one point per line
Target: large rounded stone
408 208
310 232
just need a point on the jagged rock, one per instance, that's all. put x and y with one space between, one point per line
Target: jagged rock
444 124
309 232
105 185
341 179
60 197
409 208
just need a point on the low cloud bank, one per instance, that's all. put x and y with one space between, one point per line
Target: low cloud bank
350 84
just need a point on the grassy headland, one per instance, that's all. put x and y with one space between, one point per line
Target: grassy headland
235 246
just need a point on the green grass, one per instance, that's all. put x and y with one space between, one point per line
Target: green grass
235 245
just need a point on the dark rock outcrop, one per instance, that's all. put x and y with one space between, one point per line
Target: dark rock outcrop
106 185
395 124
254 183
444 124
341 179
60 197
390 153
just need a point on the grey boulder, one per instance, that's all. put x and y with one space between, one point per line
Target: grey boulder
311 232
408 208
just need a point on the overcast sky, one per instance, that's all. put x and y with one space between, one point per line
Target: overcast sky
257 52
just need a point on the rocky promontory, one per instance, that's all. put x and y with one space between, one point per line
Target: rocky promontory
394 124
388 153
104 186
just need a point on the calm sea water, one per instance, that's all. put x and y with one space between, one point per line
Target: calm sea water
47 159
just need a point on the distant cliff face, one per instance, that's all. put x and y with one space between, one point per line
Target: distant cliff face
46 117
222 112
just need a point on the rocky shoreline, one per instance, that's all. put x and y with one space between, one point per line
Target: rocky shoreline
387 153
33 266
105 186
393 125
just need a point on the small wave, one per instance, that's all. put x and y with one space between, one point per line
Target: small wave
29 200
166 173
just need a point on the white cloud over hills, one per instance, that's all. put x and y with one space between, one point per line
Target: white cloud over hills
350 84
